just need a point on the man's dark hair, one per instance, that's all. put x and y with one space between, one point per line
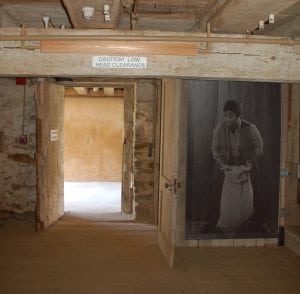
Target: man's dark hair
233 106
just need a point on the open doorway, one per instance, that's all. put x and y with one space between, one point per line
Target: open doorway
140 153
93 153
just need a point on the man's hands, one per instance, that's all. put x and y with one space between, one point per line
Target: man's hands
226 167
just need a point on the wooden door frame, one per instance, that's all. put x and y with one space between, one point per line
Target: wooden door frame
131 84
129 101
127 157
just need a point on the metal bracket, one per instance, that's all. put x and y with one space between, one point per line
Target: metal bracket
284 173
23 43
208 44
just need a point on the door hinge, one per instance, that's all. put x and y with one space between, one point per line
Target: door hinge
177 185
173 187
284 172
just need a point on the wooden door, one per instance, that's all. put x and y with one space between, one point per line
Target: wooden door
127 171
50 177
168 184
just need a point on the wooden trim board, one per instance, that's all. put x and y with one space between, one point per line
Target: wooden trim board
120 47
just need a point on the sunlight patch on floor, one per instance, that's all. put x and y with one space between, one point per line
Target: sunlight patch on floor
94 200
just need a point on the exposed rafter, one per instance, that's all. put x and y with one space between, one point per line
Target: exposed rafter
239 16
225 16
81 91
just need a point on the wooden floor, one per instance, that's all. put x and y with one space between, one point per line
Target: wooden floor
97 258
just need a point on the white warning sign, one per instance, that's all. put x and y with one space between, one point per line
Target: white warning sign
134 62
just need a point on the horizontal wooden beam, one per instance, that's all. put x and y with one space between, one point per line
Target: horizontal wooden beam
7 20
202 25
179 22
236 61
198 3
37 34
81 91
120 47
255 62
289 26
99 92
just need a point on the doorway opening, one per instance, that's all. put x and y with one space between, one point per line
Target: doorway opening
93 153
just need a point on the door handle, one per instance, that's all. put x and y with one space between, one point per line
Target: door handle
167 185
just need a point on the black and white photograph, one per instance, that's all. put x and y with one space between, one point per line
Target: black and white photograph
232 160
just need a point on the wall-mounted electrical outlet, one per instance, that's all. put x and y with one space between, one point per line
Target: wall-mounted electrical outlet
53 135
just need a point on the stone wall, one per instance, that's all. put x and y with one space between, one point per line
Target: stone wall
144 152
17 168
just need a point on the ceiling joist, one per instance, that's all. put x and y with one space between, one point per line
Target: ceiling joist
81 91
225 16
240 16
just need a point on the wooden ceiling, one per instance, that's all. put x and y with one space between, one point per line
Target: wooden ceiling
225 16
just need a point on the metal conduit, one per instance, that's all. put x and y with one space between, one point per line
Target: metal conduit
243 40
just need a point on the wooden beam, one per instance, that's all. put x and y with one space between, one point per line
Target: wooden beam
198 3
236 61
70 92
289 26
179 22
120 47
81 91
202 26
238 16
253 62
7 20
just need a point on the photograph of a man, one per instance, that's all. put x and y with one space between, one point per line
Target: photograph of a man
236 144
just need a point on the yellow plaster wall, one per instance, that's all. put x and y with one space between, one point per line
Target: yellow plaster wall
93 139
